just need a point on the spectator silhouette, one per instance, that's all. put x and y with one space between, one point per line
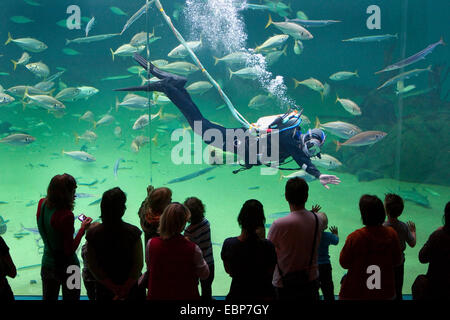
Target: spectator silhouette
248 259
152 208
114 251
370 255
174 263
325 269
7 269
199 232
55 222
296 238
436 252
406 233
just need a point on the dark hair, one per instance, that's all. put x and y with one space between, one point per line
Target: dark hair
61 192
296 191
113 206
197 209
447 217
372 210
251 217
393 204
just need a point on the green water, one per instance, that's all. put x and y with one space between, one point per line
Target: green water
26 170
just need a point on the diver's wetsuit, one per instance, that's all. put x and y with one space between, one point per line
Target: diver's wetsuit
173 87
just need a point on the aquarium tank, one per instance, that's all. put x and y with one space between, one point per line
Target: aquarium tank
372 74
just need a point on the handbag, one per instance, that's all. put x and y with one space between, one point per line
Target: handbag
299 278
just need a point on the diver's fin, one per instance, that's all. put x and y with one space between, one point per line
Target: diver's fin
140 88
141 60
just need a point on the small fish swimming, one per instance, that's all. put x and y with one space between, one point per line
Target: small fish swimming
293 29
116 77
116 166
233 58
312 23
301 174
273 42
311 83
326 161
377 38
18 139
23 60
80 155
180 67
140 39
349 106
39 69
117 11
28 44
136 16
247 73
87 116
105 120
70 52
199 87
412 59
180 51
90 25
343 75
95 38
126 50
404 76
362 139
340 129
192 175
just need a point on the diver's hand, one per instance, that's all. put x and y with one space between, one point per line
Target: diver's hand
328 179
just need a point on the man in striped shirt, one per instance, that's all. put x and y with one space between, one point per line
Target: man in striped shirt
199 232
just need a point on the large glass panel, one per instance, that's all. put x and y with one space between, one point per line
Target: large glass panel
346 64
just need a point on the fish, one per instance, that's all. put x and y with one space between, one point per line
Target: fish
105 120
117 11
254 188
140 39
23 60
343 75
116 77
298 47
19 91
84 195
401 89
192 175
88 135
80 155
6 99
296 31
136 16
86 92
180 67
28 44
32 3
90 25
274 56
180 51
31 203
340 129
362 139
45 86
199 87
301 174
126 50
377 38
68 94
4 202
141 122
70 52
88 184
138 142
259 101
414 196
95 202
301 15
239 57
349 106
18 139
32 230
326 161
311 83
312 23
136 70
47 102
56 75
116 166
412 59
273 42
95 38
403 76
134 102
247 73
432 192
39 69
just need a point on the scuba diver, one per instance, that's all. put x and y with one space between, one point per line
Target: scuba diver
286 128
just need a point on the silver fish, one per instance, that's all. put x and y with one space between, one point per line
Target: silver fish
404 76
105 120
80 155
24 59
362 139
378 38
28 44
18 139
39 69
6 98
90 25
126 50
68 94
340 129
199 87
296 31
96 38
136 16
180 67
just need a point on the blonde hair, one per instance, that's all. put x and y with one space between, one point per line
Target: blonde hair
173 220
